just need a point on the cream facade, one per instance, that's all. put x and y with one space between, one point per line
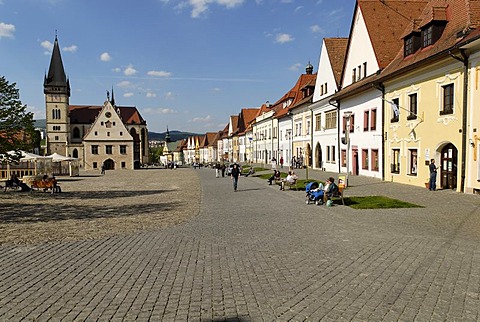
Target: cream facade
429 125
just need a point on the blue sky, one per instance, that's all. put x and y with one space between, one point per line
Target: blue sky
185 64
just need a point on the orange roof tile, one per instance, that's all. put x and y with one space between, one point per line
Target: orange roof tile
86 114
336 49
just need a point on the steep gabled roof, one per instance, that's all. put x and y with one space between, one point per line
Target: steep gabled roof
336 49
386 21
462 16
86 114
295 94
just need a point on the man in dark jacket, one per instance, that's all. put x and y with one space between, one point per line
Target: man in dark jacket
235 174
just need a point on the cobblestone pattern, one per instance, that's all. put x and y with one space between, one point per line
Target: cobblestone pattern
262 255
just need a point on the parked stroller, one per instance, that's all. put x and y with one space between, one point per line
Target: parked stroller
314 193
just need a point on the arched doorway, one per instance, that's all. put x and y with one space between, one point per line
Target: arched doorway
448 173
109 164
318 156
75 153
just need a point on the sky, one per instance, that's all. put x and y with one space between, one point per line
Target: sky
186 65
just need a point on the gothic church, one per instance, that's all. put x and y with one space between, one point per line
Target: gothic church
109 135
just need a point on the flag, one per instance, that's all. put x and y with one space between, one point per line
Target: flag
395 109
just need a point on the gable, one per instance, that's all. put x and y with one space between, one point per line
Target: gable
108 126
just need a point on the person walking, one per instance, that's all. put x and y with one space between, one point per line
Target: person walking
281 162
103 169
234 175
217 170
433 175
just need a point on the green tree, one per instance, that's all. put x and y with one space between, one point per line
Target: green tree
16 124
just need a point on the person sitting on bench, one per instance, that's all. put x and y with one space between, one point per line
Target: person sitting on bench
274 177
331 189
290 180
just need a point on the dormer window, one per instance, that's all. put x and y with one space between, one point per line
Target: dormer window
432 32
411 43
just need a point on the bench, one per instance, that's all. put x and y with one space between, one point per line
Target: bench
290 185
339 194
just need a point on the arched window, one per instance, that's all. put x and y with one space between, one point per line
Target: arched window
75 153
76 133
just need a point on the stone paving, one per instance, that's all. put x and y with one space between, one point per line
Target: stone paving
261 254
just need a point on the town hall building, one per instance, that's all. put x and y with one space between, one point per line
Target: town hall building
109 135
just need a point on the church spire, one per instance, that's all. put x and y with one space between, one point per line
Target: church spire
113 98
167 136
56 79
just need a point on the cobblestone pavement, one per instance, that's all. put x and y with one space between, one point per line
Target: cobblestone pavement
261 254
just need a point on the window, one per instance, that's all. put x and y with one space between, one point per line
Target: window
96 133
57 138
344 158
75 153
408 46
318 122
325 87
354 75
365 159
333 154
94 149
427 36
352 123
373 120
359 72
413 107
76 133
108 149
374 160
123 149
395 113
124 165
413 161
366 119
56 114
447 100
56 127
395 166
412 43
331 119
308 128
121 133
365 69
95 165
328 153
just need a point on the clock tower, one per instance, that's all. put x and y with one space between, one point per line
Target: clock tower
56 88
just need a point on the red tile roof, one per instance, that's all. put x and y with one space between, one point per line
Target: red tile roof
86 114
336 49
462 16
296 94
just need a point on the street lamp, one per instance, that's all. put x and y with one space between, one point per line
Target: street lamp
347 115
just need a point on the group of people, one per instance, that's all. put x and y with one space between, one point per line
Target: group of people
328 190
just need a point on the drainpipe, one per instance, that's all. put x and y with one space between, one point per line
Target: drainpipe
337 105
464 60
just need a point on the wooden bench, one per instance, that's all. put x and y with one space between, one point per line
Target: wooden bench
339 194
290 185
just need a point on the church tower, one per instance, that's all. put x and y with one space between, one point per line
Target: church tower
56 88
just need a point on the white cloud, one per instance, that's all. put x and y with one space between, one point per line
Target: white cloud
316 29
129 71
160 73
117 70
72 48
105 57
6 30
47 45
200 119
151 111
200 7
295 67
216 89
124 84
169 96
151 95
129 94
283 38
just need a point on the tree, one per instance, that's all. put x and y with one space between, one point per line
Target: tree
16 124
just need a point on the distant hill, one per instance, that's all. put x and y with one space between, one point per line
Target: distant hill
40 123
174 135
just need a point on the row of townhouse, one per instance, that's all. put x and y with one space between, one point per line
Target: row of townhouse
401 90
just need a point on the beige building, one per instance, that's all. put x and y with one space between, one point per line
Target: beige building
109 135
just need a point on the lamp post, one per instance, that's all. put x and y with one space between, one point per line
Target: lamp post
347 115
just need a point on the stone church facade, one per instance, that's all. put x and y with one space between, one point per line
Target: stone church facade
109 135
